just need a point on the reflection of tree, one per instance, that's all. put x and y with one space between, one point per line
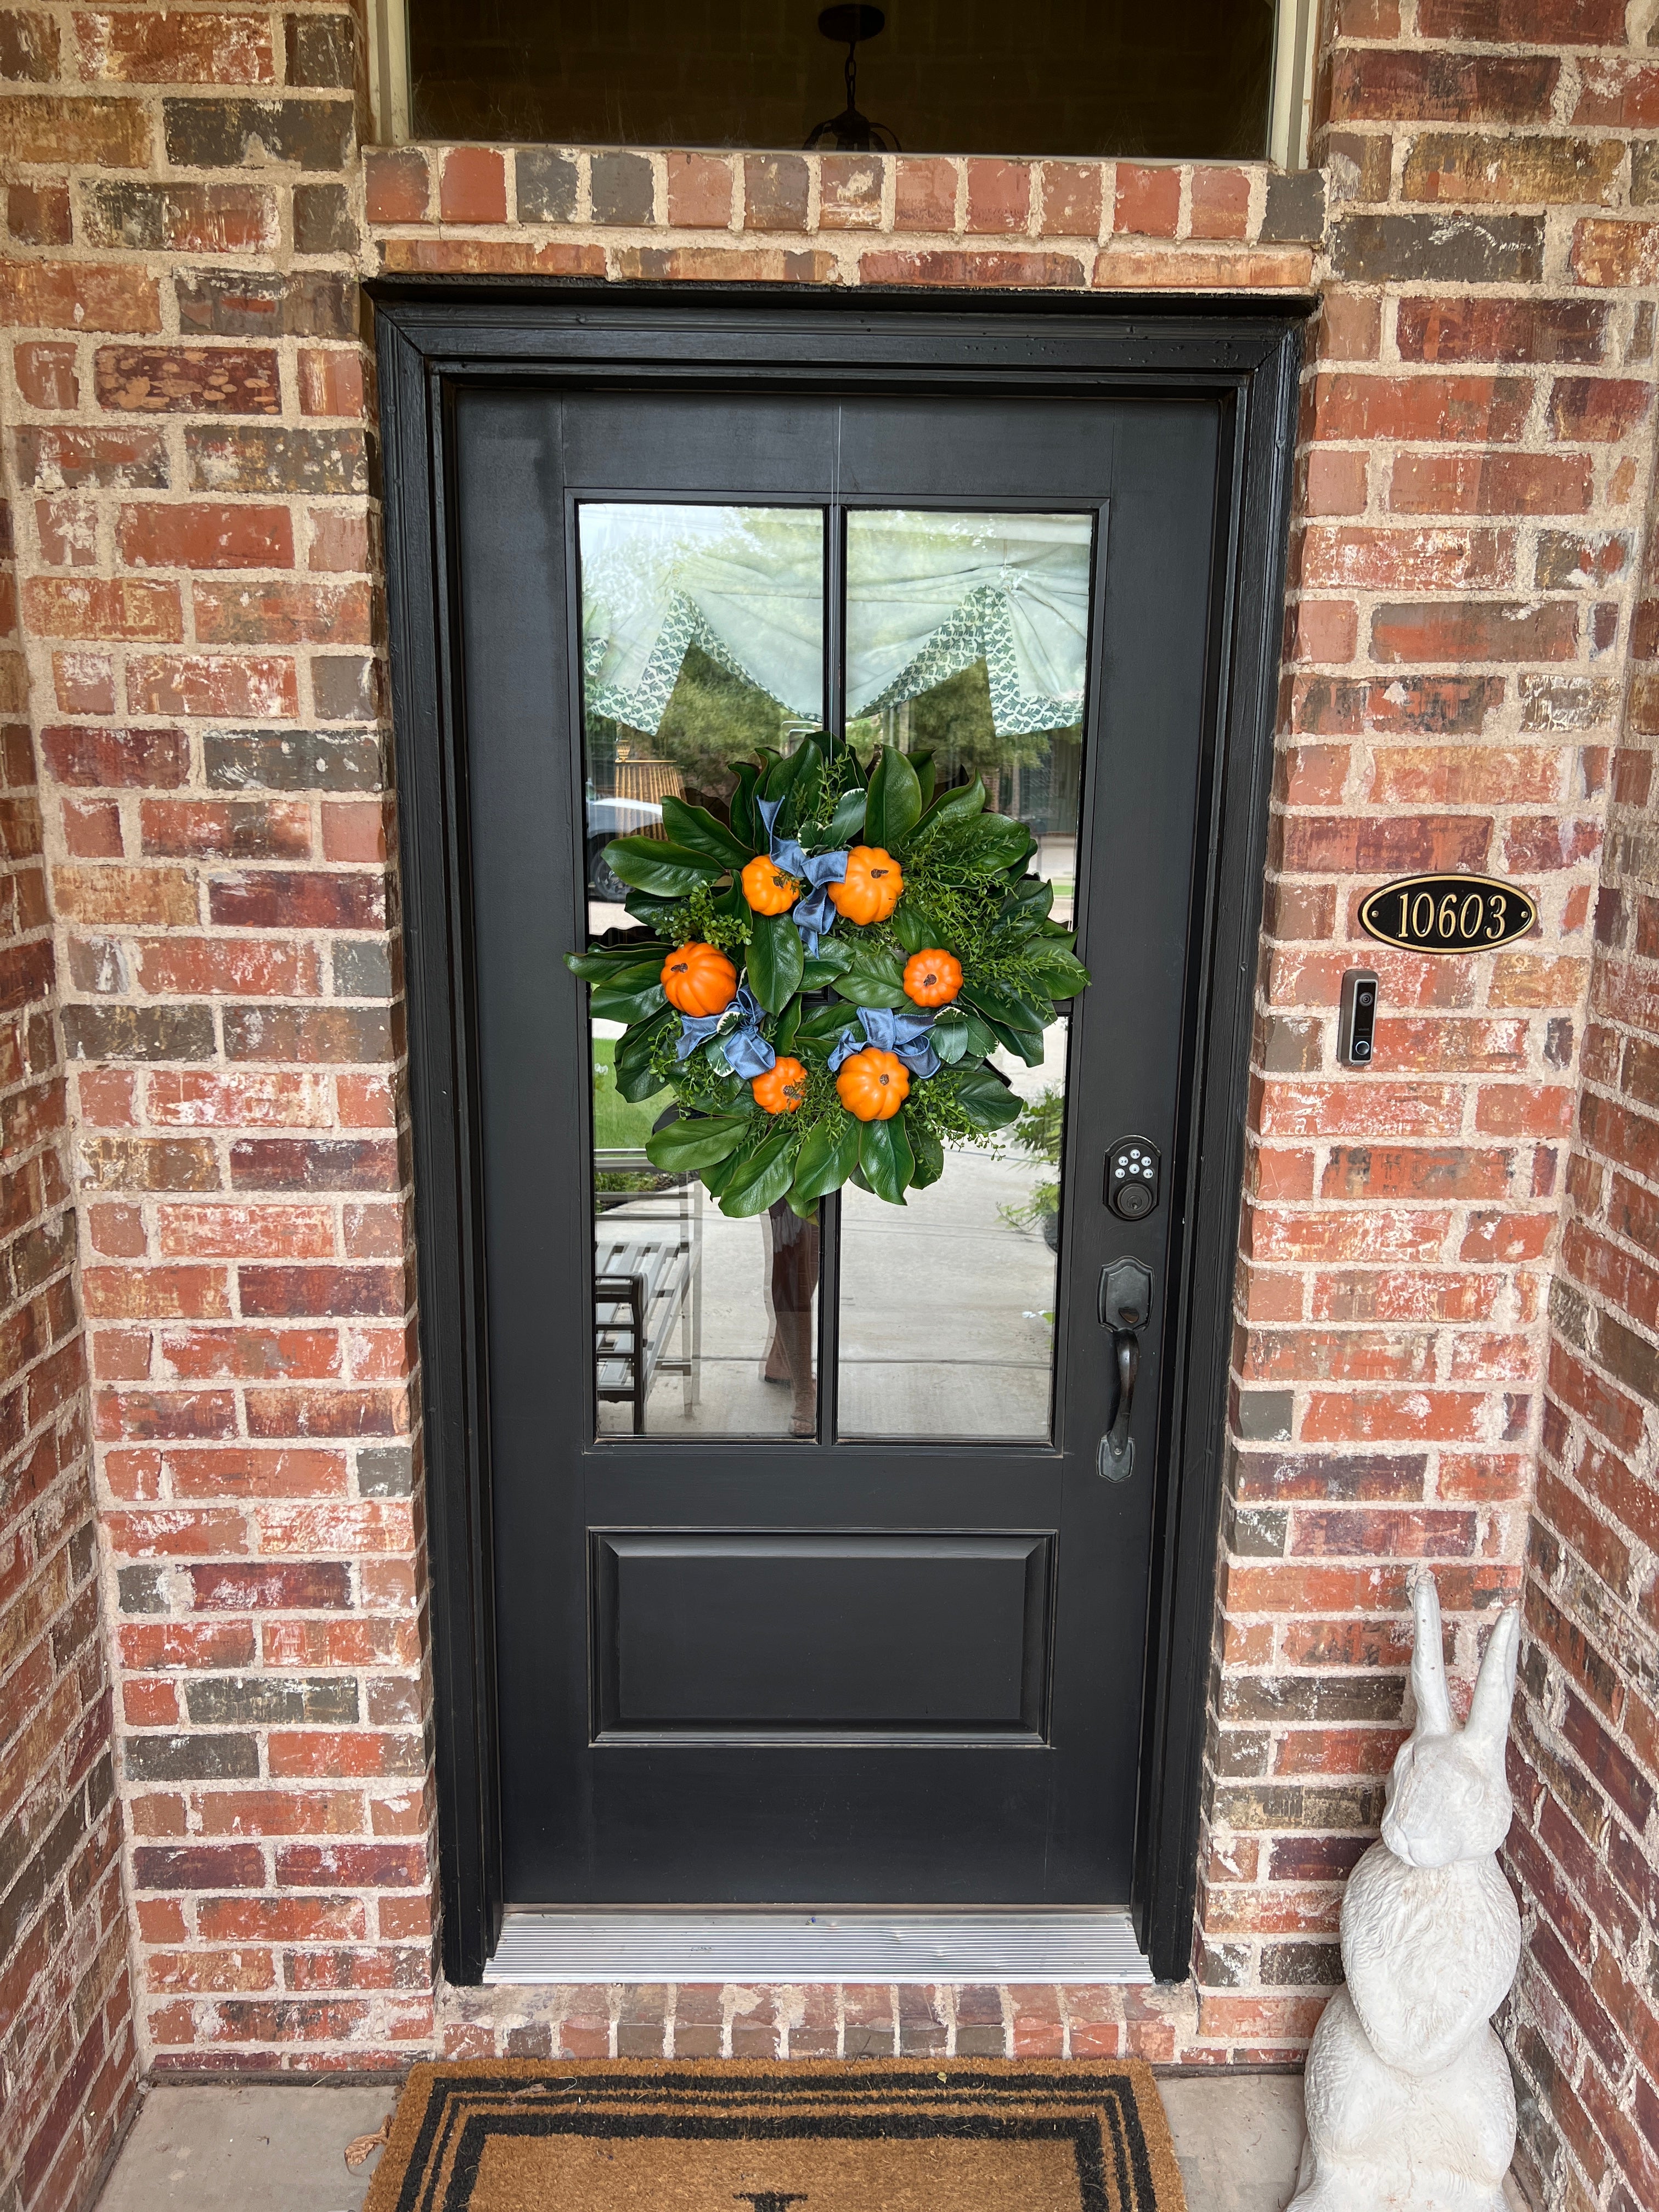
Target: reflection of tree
713 718
953 721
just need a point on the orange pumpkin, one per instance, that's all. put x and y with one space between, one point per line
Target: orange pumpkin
933 978
872 885
783 1087
767 888
699 979
873 1084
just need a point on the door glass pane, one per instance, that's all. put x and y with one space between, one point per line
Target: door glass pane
702 637
967 635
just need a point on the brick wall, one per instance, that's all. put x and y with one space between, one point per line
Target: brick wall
68 2062
192 454
1476 432
1584 2022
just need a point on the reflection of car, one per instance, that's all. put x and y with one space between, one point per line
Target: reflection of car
608 818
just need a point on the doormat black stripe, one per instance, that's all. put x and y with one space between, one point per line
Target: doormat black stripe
819 2135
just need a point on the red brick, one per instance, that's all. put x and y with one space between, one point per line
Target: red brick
399 184
973 266
1071 198
473 186
332 382
39 214
1394 560
214 684
124 607
1431 409
1600 410
925 194
1220 202
144 48
46 374
699 192
1479 629
849 191
274 613
1381 85
1148 200
999 195
90 129
1614 91
205 534
1492 484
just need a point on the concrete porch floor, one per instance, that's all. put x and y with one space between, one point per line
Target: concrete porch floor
279 2149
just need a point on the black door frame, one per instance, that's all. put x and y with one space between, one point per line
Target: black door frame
1243 355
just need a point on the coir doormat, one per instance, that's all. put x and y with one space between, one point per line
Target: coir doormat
822 2135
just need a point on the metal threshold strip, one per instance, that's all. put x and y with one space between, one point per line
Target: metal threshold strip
654 1945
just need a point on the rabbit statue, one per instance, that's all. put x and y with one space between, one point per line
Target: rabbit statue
1410 2104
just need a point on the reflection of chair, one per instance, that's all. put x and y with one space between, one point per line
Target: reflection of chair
647 1275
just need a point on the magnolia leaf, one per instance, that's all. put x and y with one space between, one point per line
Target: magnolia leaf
695 829
994 842
929 1155
657 914
699 1142
949 1035
623 1001
885 1156
1012 1008
745 822
650 864
1062 973
606 963
828 1154
847 823
954 805
760 1180
894 804
862 990
987 1102
909 925
776 961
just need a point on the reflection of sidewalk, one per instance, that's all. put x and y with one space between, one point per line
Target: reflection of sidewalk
942 1318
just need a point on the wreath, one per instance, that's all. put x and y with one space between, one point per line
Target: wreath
821 984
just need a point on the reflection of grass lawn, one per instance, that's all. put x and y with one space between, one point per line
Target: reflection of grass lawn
617 1123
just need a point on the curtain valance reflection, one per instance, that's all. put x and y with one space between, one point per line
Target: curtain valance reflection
927 595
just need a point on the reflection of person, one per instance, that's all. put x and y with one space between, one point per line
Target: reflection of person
793 1246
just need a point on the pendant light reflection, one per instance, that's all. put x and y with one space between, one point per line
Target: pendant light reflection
850 132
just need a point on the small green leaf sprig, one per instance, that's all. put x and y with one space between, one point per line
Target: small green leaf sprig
966 892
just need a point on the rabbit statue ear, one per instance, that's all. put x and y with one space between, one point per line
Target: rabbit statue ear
1488 1729
1434 1714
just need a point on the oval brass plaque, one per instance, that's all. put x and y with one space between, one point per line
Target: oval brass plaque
1447 913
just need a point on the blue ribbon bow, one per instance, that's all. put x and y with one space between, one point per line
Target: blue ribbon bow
905 1034
747 1053
814 916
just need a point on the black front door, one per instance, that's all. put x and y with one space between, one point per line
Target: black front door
820 1576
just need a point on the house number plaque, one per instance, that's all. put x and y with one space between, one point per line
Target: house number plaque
1448 913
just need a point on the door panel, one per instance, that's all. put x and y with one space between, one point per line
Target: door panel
890 1639
620 1669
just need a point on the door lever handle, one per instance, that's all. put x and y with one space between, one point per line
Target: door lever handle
1126 1305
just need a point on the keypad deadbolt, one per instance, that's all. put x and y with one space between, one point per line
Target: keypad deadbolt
1133 1173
